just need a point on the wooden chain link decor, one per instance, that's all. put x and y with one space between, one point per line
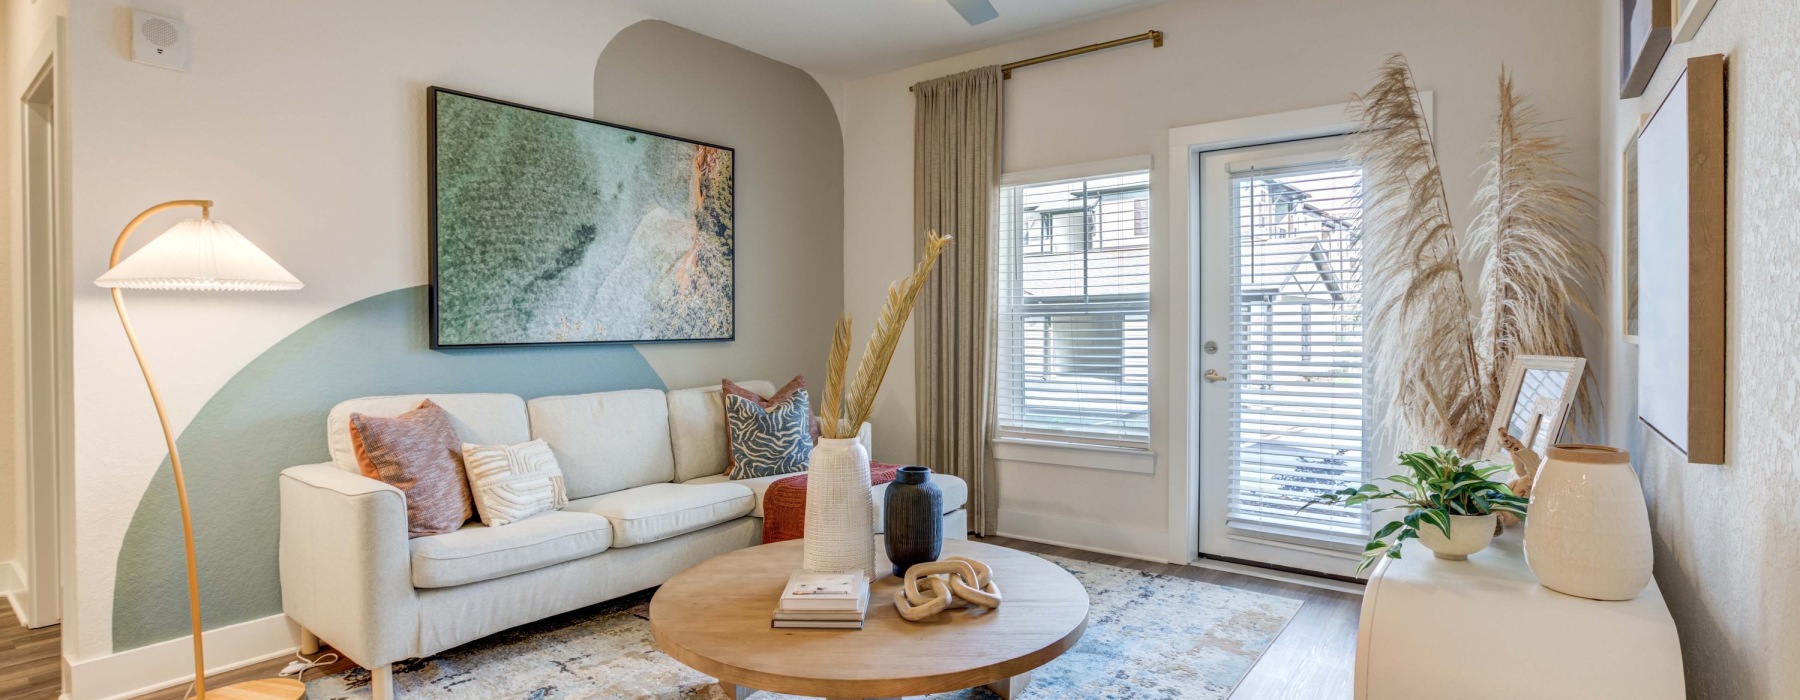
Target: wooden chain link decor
954 582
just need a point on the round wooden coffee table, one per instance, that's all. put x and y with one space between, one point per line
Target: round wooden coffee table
715 618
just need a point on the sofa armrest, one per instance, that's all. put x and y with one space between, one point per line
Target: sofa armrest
346 571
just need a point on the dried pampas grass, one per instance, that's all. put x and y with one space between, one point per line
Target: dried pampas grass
1537 264
1437 367
843 413
1424 367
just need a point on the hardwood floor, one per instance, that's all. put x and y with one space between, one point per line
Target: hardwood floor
1311 660
28 659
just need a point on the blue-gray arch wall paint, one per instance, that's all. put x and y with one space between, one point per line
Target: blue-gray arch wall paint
271 416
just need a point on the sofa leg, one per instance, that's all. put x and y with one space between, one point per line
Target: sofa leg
381 682
309 642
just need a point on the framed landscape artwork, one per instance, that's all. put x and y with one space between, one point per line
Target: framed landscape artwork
553 229
1681 183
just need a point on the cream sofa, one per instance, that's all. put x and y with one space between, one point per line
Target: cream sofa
647 499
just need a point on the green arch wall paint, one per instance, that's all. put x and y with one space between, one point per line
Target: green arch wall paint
271 416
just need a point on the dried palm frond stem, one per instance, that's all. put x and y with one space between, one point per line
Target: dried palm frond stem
1527 233
1421 355
858 401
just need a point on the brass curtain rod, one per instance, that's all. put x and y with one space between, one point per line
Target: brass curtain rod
1153 36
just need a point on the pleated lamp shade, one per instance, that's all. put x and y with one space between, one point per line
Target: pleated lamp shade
200 255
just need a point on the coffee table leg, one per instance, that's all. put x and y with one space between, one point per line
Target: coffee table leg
734 691
1012 687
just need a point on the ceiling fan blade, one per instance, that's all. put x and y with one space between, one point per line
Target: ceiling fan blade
974 11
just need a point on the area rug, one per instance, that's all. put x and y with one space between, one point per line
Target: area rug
1148 636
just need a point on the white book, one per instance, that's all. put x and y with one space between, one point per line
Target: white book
817 624
810 590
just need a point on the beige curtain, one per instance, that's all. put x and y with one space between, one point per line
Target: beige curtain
956 182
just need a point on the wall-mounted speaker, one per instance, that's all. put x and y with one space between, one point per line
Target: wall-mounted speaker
159 41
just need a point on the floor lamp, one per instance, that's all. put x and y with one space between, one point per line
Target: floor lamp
206 256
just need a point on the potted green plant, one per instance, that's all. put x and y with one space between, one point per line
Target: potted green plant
1452 505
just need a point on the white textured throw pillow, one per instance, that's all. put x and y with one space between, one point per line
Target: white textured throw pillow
513 482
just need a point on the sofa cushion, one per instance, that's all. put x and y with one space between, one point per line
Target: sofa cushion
768 435
478 552
513 482
660 511
608 441
956 491
418 453
697 428
483 419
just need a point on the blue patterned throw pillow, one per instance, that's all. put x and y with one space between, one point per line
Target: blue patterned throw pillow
769 436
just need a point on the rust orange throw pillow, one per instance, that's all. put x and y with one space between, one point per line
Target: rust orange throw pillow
417 452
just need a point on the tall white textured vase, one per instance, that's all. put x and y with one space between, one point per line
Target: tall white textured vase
1587 533
840 509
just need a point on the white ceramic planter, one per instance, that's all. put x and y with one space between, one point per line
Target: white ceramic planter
1588 532
840 509
1468 534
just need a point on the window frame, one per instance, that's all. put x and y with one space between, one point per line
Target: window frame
1044 243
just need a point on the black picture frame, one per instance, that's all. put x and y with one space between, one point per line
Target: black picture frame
433 195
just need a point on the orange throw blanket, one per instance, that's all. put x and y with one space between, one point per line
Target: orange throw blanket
784 505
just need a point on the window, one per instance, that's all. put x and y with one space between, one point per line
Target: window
1074 310
1298 406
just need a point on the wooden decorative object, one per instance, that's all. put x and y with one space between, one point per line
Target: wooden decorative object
714 618
1681 272
1525 463
954 582
1645 30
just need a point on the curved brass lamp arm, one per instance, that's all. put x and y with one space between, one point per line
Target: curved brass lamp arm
162 417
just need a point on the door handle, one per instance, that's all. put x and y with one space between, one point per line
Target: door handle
1212 375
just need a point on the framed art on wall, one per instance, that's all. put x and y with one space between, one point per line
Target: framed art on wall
1645 27
1628 238
549 229
1689 15
1681 264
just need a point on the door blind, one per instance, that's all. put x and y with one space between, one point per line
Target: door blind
1299 403
1073 330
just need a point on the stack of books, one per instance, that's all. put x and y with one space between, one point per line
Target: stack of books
823 601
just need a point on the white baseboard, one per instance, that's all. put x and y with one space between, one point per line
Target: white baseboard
12 578
1137 543
131 673
12 585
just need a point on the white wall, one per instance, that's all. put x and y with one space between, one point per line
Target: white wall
1222 60
305 122
1726 557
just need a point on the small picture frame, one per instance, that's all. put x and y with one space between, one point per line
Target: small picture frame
1534 401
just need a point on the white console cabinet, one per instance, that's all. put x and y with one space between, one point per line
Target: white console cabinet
1484 628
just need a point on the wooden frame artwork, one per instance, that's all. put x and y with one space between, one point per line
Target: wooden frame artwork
1645 28
1535 400
1681 271
1689 15
1627 273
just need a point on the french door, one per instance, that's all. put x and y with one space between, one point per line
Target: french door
1284 411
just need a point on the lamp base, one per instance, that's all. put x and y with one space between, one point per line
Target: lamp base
263 689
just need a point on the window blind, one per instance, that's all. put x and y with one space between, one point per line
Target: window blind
1299 403
1073 280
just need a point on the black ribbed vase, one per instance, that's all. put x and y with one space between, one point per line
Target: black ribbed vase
914 513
